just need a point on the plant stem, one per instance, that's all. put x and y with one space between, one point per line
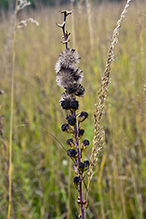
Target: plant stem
69 186
81 198
11 116
78 152
4 151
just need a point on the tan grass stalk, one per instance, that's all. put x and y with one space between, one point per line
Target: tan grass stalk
137 194
11 115
73 27
79 18
79 8
145 95
90 25
122 197
110 197
98 140
20 4
100 187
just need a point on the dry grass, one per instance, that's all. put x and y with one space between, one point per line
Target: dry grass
39 172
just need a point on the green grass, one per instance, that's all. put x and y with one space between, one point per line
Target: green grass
40 173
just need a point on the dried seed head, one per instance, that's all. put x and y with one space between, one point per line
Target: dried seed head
68 116
76 180
65 96
23 23
86 164
74 105
69 58
85 144
80 91
67 76
65 104
81 167
72 153
80 133
68 102
66 128
64 77
71 88
71 143
82 116
65 101
78 75
22 4
71 120
75 89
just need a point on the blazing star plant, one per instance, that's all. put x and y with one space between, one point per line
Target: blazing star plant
69 76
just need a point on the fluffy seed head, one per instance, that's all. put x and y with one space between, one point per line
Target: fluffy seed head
75 89
80 91
67 76
78 75
69 58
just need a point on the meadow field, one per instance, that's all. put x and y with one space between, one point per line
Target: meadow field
41 170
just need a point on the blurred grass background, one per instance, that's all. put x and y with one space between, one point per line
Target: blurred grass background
40 165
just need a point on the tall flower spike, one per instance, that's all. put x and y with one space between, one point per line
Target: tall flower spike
69 76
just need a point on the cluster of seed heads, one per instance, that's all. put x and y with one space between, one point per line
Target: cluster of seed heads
69 76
